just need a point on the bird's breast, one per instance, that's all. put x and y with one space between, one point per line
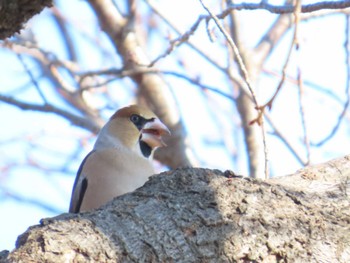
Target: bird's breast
111 173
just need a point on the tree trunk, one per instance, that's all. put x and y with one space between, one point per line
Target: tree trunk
201 215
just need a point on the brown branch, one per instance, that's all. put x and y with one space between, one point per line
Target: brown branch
121 73
153 90
183 38
68 41
294 43
267 43
244 102
74 119
280 29
236 34
244 72
270 39
285 9
236 52
276 130
231 74
50 65
200 215
323 13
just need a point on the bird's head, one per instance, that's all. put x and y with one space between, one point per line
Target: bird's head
136 128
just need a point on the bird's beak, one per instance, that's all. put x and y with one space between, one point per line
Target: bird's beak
152 133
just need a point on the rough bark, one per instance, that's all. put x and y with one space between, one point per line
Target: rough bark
201 215
15 13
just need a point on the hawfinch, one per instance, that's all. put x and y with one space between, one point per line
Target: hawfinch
121 159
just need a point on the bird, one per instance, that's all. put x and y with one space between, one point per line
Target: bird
121 159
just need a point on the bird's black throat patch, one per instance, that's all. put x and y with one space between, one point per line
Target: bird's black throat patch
145 149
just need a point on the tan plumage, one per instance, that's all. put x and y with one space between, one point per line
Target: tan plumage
121 159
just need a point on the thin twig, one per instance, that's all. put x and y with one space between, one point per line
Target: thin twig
121 73
284 9
323 13
244 71
32 78
236 52
297 13
266 152
74 119
347 90
62 26
27 200
284 139
303 119
232 75
184 37
294 43
310 84
51 66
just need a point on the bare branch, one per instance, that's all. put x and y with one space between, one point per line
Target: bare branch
50 65
30 201
279 27
153 90
32 78
277 132
323 13
244 72
183 38
270 39
66 36
74 119
267 43
306 139
284 9
121 73
347 90
232 75
293 44
240 62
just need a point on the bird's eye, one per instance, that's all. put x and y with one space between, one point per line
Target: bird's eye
135 118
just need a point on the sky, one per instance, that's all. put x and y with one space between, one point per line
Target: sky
56 148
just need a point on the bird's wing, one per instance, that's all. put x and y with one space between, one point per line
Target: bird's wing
79 188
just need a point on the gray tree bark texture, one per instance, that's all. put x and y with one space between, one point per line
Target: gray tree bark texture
202 215
15 13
